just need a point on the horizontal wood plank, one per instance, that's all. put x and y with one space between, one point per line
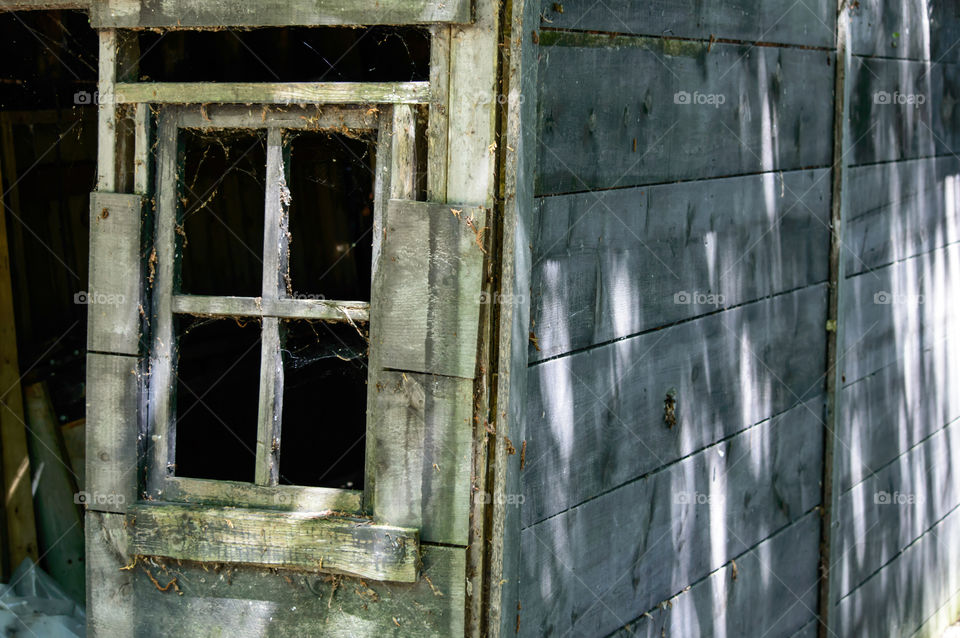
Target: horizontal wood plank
909 589
919 30
896 505
900 209
769 590
701 111
273 93
895 408
599 418
429 308
615 263
261 13
707 508
809 23
113 295
222 600
893 314
316 309
292 498
287 117
282 539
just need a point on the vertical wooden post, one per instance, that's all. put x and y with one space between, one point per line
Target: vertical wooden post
106 113
831 496
17 499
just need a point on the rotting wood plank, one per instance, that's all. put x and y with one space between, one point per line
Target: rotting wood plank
808 23
113 295
185 14
422 446
615 263
21 534
111 449
601 128
314 117
598 418
750 486
283 539
768 590
273 93
106 112
430 308
234 600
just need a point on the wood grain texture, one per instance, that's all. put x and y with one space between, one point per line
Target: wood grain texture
274 93
315 309
894 409
111 452
201 13
110 599
909 589
887 119
685 521
597 419
768 590
422 447
895 313
773 115
430 304
247 602
270 538
615 263
289 498
896 505
113 297
919 30
899 210
59 524
809 23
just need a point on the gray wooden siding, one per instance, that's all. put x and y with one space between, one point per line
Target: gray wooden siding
678 300
899 399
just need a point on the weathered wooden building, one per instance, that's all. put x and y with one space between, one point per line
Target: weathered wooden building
467 317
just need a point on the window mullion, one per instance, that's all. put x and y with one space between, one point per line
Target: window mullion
275 265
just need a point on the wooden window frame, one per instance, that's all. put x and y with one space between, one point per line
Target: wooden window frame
394 127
